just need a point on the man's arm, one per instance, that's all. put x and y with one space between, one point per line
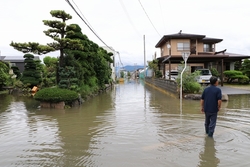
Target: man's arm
202 105
219 105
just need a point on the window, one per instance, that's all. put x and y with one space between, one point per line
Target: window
183 46
208 48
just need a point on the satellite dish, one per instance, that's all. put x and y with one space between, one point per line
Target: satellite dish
168 46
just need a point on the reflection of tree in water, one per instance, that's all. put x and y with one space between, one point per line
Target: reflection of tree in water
208 156
78 129
5 101
62 137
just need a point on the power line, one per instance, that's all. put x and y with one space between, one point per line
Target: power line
129 18
88 25
148 17
163 20
83 15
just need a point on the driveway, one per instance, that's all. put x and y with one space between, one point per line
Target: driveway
233 91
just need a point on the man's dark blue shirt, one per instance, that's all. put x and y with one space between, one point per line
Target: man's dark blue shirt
211 95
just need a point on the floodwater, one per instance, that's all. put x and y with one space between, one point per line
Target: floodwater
132 125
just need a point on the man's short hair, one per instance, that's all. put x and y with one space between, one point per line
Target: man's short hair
213 80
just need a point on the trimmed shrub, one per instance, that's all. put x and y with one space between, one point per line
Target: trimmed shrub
242 79
56 95
232 75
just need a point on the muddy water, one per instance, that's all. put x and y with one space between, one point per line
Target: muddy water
133 125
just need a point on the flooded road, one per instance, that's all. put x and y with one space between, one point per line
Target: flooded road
133 125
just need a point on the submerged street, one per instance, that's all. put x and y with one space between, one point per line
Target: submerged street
132 125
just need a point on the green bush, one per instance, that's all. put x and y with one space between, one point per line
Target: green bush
236 75
242 79
192 87
158 74
189 83
56 95
232 75
214 72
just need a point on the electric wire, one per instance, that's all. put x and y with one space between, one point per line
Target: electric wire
149 18
88 25
83 15
163 20
129 18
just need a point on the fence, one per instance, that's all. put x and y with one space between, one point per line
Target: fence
164 84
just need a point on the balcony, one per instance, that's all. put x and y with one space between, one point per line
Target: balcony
208 50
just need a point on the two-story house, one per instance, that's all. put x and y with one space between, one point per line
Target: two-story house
202 51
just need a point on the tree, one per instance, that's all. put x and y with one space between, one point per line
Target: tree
4 74
49 74
58 32
92 63
31 74
246 67
154 66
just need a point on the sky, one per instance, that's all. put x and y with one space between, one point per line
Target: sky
121 24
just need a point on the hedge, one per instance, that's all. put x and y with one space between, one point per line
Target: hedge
56 95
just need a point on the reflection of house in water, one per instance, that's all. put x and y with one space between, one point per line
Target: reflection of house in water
17 61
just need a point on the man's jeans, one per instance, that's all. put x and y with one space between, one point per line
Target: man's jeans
210 122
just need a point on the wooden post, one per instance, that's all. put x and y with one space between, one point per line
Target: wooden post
222 75
169 65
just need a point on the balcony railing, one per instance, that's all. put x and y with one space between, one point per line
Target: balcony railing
208 50
183 48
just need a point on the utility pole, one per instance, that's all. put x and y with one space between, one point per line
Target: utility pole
144 57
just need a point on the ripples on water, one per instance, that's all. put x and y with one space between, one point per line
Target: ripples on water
131 126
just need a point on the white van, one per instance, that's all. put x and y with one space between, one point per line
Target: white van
205 75
173 73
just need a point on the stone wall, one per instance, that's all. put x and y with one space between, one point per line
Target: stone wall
165 84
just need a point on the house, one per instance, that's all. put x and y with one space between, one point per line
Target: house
112 65
16 61
202 50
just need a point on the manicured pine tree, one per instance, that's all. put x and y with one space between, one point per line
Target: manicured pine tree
31 74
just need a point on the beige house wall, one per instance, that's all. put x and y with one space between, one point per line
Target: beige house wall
200 47
174 51
174 42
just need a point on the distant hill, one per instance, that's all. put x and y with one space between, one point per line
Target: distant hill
132 68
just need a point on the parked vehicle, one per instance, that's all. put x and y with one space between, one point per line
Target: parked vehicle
173 73
205 75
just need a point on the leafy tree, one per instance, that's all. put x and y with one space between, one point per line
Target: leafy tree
154 66
4 74
58 32
16 71
68 78
237 65
215 72
49 74
246 67
92 62
31 74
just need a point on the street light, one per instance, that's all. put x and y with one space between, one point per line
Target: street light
185 56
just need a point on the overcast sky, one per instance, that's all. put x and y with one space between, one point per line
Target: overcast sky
121 24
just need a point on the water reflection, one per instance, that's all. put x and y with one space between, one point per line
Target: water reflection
133 125
208 155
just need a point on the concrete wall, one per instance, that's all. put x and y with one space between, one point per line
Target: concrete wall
164 84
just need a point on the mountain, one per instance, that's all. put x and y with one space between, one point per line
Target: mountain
132 68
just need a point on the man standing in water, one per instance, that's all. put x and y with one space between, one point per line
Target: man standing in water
210 105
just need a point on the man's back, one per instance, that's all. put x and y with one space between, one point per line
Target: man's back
211 95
